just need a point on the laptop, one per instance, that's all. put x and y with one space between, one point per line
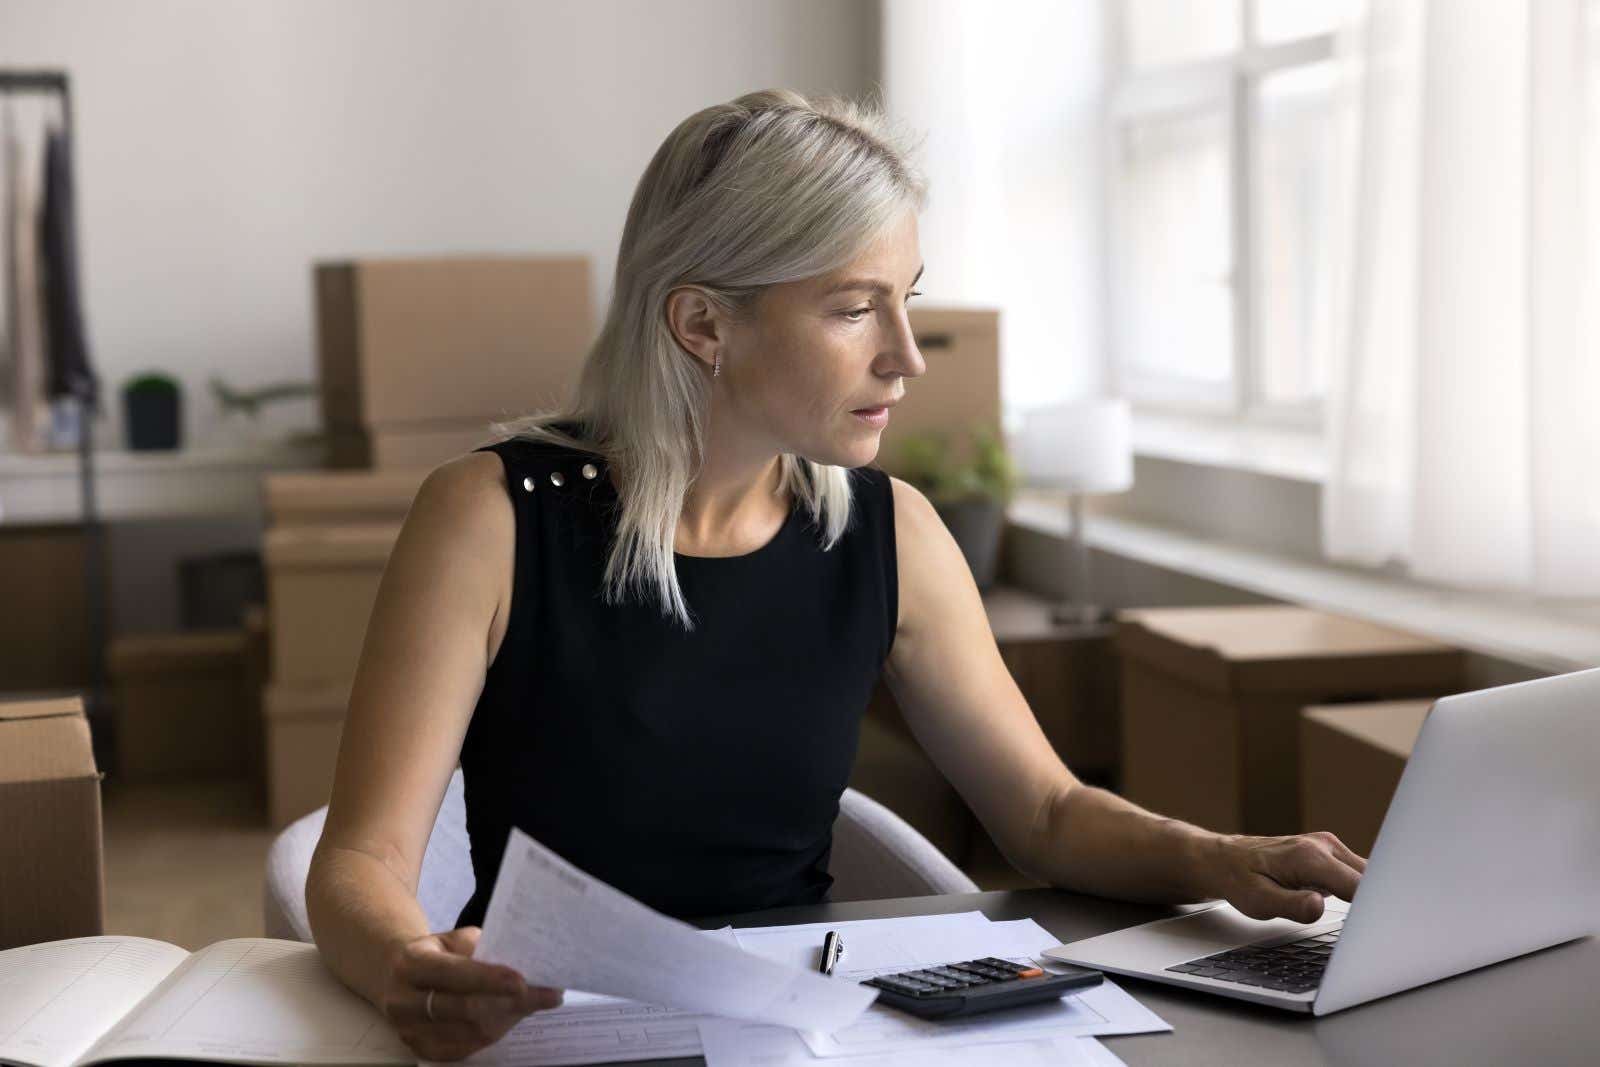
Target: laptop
1490 849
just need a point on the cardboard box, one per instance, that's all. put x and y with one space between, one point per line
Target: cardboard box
413 340
303 724
182 705
962 386
300 498
257 669
321 584
1211 701
1351 758
403 446
52 878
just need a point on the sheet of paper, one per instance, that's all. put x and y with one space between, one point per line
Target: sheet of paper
878 946
560 927
589 1028
255 1000
58 998
1103 1010
731 1043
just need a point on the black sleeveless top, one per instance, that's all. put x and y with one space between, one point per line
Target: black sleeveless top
699 772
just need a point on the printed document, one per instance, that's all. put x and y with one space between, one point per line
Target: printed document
561 927
884 946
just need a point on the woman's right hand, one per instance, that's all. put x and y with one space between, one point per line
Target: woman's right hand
473 1003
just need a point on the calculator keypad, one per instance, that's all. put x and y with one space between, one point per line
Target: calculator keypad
932 981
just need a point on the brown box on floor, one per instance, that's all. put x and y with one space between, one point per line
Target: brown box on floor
962 387
182 706
321 584
455 337
52 878
303 723
322 498
1211 701
1351 758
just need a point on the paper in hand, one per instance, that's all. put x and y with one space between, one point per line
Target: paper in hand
560 927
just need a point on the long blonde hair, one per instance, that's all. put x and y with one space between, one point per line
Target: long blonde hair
771 187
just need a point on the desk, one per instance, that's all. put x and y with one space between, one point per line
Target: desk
1538 1009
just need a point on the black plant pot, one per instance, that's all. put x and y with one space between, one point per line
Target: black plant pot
976 523
154 417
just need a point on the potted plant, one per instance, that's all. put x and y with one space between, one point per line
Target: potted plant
969 483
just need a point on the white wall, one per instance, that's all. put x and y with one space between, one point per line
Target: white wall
225 145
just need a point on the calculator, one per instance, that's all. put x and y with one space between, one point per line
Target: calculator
977 986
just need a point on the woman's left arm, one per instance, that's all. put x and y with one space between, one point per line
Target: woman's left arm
966 711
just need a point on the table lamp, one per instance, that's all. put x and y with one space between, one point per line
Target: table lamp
1082 447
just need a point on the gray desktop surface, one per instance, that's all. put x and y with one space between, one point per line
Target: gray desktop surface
1543 1008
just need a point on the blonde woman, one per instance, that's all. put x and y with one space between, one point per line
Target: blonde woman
648 625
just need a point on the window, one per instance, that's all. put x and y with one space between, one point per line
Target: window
1221 126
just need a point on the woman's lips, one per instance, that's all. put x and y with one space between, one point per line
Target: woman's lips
878 416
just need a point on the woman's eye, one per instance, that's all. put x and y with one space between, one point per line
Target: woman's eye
859 313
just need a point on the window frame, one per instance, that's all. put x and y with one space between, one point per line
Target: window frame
1225 84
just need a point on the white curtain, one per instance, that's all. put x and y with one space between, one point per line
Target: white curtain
1465 408
1007 98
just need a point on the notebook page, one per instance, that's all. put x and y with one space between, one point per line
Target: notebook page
255 1000
56 998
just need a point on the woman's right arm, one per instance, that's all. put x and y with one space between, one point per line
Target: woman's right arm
435 626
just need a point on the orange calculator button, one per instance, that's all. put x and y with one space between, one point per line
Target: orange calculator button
1031 972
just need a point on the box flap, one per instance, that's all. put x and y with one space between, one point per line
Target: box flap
343 545
1283 648
45 740
1277 631
193 652
339 496
41 709
280 700
1389 726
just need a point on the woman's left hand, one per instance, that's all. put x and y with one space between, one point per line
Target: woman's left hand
1282 877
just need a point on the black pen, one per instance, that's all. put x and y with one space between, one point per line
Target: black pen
832 949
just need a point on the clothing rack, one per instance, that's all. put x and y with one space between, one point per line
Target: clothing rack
88 397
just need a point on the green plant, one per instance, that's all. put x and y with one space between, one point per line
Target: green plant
154 381
250 401
932 462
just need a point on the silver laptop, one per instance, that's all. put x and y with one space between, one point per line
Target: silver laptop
1490 849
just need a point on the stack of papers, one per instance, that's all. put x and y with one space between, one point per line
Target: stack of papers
653 987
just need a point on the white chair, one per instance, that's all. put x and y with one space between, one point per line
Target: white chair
876 855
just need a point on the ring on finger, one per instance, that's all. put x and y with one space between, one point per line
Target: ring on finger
427 1005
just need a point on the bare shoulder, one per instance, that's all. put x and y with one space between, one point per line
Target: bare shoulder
460 529
933 573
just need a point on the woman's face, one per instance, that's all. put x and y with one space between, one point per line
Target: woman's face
818 355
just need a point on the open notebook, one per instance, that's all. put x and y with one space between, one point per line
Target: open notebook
250 1000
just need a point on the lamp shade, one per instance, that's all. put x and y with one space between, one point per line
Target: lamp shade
1083 447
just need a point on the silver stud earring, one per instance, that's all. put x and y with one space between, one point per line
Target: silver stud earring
716 364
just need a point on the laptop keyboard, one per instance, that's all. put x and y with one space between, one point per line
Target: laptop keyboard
1292 968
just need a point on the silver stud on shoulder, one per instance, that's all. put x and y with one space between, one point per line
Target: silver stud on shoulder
528 484
590 471
557 478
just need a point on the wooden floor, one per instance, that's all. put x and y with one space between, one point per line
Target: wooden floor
184 861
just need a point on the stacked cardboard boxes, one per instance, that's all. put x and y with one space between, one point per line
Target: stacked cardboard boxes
329 537
419 356
1211 702
52 879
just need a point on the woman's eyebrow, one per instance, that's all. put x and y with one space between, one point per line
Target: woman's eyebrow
873 284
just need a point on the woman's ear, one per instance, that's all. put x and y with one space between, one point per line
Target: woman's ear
697 323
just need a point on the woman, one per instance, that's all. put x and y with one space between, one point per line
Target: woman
648 625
